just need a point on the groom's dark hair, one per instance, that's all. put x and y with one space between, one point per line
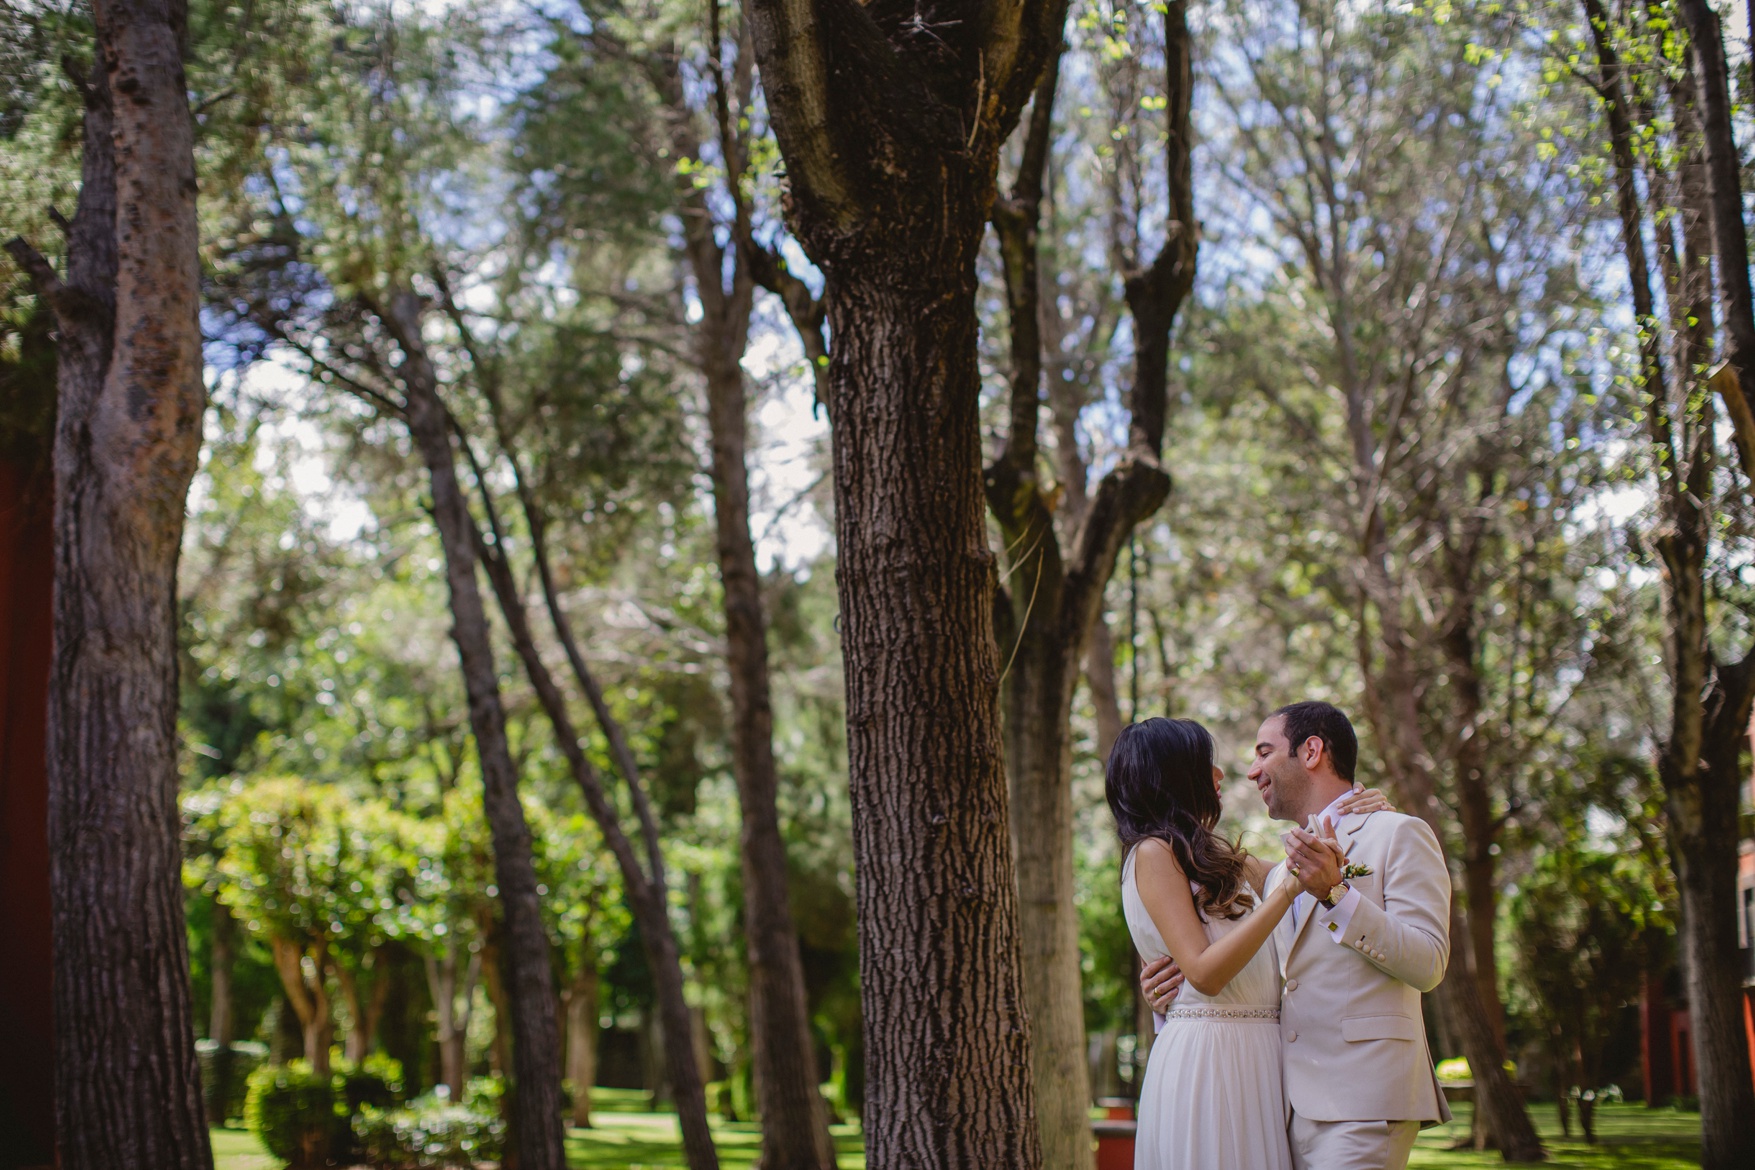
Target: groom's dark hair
1328 723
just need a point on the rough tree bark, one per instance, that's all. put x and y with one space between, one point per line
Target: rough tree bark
536 1059
891 173
1053 597
128 429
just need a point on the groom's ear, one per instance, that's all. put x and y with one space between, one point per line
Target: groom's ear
1310 751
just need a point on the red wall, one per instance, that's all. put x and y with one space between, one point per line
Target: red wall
26 1030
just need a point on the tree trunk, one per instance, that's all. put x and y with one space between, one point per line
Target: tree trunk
309 998
947 1037
1702 811
1055 599
451 1023
646 891
221 1022
582 1007
891 172
1393 704
795 1125
795 1120
365 1005
128 429
530 994
1459 641
1702 797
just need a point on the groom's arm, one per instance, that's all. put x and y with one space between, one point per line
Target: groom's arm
1409 935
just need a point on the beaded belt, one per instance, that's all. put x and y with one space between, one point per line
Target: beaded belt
1221 1012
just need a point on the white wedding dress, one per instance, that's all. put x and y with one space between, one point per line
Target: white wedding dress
1214 1097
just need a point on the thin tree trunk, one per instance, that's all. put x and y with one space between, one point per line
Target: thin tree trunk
582 1007
128 429
1702 813
1458 640
1100 677
530 994
795 1121
364 1006
646 892
309 998
1395 716
451 1023
493 981
221 1020
795 1127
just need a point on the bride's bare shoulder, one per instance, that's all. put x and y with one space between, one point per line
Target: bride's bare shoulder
1154 852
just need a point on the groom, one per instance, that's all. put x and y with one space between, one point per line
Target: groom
1354 961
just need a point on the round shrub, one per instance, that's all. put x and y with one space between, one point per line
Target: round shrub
291 1110
376 1081
430 1133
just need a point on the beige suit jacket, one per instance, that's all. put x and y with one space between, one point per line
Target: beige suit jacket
1351 1031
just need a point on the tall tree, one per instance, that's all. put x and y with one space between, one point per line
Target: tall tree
891 171
1054 595
130 400
1701 751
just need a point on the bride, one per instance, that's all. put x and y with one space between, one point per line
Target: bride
1212 1095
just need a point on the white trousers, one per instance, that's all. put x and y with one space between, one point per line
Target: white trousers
1351 1145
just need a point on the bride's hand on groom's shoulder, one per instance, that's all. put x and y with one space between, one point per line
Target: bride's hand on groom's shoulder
1160 980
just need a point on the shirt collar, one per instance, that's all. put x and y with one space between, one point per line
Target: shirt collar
1332 812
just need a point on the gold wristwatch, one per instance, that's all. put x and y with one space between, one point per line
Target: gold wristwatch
1335 893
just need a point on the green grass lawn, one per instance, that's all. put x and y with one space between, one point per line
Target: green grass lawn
1630 1137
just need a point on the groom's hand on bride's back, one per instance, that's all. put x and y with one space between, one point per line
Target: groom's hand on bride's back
1160 980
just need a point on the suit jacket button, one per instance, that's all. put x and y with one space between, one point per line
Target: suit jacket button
1291 1037
1291 985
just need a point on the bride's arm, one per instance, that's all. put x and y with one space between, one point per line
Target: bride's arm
1163 888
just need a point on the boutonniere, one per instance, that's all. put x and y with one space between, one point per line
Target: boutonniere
1354 869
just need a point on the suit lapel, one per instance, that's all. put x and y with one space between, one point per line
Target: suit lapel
1283 932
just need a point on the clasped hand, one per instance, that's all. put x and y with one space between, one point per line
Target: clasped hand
1317 862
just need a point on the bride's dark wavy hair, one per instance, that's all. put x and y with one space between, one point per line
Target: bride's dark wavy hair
1159 782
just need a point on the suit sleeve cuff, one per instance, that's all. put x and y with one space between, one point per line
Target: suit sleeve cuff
1336 921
